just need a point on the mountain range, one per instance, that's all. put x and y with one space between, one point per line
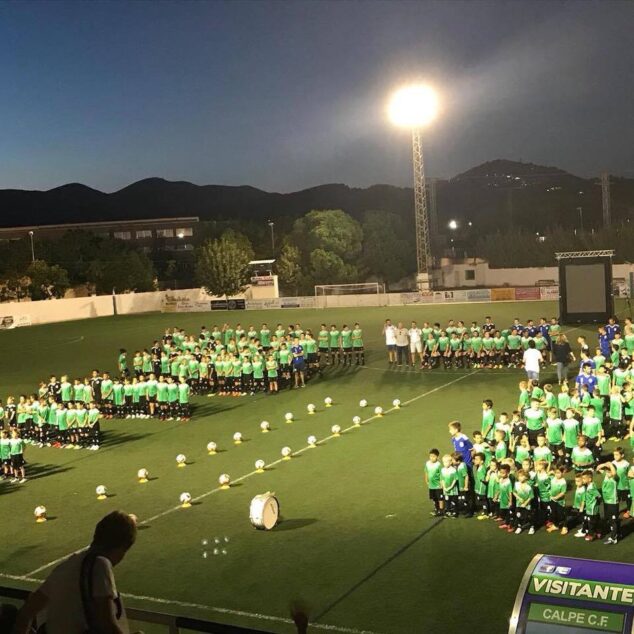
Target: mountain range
499 193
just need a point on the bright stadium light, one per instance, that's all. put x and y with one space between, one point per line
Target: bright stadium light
413 106
453 224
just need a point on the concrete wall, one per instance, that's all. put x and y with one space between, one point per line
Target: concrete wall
454 275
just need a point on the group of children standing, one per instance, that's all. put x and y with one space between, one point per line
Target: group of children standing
478 345
514 468
232 361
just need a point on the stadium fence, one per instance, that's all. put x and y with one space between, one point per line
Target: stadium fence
29 313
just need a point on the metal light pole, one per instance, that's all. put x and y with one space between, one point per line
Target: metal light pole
272 225
580 210
32 247
414 107
421 216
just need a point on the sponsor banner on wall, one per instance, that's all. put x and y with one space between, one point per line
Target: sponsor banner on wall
502 294
262 304
7 322
262 280
297 302
228 304
479 295
183 303
527 292
450 296
549 292
415 298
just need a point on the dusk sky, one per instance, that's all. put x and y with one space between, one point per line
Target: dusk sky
288 95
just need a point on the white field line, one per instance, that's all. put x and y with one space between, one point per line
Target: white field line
173 509
211 608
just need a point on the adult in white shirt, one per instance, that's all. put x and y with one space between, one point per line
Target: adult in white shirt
532 360
389 332
81 594
415 343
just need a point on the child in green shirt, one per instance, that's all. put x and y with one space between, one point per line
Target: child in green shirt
433 482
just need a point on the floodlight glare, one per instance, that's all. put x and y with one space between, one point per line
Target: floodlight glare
413 106
453 224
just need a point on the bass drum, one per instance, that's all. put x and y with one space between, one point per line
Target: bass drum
264 511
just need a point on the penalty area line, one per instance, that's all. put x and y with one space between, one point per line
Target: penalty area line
202 496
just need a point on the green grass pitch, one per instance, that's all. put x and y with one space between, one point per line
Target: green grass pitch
357 544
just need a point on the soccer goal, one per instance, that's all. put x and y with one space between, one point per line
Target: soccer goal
363 294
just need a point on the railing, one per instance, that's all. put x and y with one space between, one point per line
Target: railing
173 624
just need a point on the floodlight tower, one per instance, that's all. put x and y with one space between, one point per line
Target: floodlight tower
415 107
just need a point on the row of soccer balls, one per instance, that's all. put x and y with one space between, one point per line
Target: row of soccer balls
362 403
224 480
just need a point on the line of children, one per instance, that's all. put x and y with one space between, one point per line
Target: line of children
232 361
479 346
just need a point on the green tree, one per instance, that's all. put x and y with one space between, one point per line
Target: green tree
386 254
47 281
128 271
222 265
331 230
328 268
329 242
289 268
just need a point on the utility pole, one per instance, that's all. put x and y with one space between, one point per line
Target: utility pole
272 225
433 218
605 199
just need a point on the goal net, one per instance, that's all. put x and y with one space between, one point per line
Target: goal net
363 294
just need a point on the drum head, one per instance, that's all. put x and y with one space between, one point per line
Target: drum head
270 513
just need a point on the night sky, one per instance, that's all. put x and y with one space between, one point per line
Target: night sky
287 95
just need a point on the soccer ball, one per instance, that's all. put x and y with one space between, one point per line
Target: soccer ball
328 401
357 420
101 492
142 475
181 459
312 440
185 499
237 438
335 429
224 480
40 513
259 465
286 452
378 410
264 426
396 403
310 408
363 403
211 447
288 416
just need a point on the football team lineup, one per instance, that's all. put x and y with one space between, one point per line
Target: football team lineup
328 483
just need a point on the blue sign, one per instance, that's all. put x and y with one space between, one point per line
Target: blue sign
565 595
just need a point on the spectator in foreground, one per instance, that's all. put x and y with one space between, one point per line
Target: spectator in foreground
80 594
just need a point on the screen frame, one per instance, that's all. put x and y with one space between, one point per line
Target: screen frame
567 317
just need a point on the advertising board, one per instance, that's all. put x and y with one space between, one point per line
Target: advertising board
566 595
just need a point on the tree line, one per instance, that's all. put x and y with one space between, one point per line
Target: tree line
323 247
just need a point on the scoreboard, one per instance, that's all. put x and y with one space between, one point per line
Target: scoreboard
565 595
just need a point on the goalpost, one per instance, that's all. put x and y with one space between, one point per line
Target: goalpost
362 294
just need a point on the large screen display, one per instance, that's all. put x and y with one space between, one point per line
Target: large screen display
585 288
